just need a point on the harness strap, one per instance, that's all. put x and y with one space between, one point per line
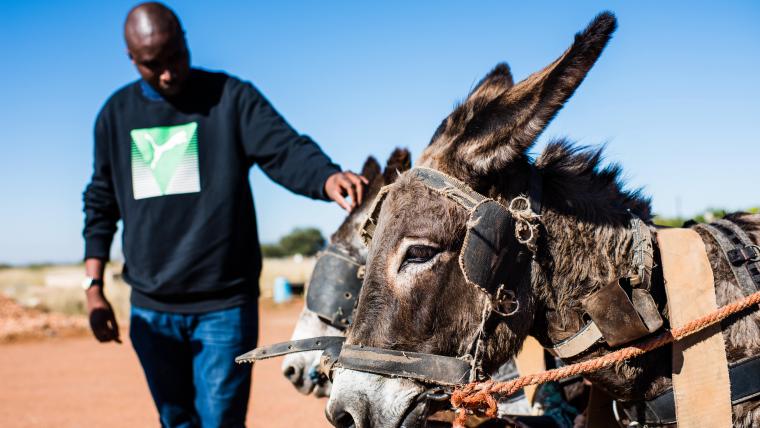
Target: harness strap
427 368
643 253
449 186
587 337
744 376
700 368
283 348
743 256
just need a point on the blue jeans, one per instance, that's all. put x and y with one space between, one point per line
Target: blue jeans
189 362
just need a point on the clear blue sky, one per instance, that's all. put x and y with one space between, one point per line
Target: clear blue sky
675 96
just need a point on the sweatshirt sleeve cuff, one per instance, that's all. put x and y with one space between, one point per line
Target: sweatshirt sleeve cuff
330 170
97 248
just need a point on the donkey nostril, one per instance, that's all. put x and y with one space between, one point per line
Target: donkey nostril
293 374
344 420
340 419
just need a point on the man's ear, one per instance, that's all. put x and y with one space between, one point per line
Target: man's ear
487 132
399 161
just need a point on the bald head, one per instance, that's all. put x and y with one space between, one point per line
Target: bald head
156 45
149 21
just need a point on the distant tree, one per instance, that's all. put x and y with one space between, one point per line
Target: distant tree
668 221
304 241
272 250
708 216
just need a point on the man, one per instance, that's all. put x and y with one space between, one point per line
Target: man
172 156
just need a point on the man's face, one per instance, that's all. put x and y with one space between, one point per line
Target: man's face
163 61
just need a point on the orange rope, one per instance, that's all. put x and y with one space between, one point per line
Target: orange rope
479 396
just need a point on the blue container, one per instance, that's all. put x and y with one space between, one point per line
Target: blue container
282 290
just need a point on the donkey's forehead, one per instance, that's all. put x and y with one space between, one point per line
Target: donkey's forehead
413 209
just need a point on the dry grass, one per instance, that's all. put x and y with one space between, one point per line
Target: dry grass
18 323
56 288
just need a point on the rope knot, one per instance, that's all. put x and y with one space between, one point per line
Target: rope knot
526 222
474 398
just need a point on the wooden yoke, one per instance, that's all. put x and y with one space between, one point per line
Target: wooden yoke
700 370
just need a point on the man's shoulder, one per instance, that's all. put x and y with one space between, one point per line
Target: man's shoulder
120 95
125 91
233 83
227 86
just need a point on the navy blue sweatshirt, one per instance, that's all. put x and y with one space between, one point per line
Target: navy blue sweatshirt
176 172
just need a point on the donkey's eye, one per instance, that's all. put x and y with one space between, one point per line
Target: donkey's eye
418 254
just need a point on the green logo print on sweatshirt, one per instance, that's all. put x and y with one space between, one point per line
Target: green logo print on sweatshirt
165 160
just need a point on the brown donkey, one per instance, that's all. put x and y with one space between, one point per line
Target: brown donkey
415 296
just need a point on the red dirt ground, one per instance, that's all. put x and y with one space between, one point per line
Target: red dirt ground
77 382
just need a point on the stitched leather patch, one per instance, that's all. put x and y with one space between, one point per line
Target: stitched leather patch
489 234
614 314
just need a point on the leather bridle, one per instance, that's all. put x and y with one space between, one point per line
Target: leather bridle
498 250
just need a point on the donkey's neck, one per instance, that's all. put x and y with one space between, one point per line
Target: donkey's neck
576 258
587 240
587 243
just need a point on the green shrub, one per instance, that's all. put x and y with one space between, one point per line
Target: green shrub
305 241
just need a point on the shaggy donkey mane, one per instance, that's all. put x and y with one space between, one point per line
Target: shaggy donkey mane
575 182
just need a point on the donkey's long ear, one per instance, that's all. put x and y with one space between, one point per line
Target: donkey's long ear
492 86
399 161
486 136
371 169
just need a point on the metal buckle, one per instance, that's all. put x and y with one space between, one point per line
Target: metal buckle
506 302
739 256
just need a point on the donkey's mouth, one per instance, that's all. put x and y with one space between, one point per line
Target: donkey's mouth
426 403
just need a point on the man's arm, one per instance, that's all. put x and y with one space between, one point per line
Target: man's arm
102 319
292 160
101 215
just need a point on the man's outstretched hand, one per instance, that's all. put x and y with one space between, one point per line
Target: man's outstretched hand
342 184
102 319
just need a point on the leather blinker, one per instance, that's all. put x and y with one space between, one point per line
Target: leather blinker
334 287
489 235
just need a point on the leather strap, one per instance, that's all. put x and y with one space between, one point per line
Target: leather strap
578 343
283 348
745 385
643 253
620 325
427 368
742 255
449 186
700 370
